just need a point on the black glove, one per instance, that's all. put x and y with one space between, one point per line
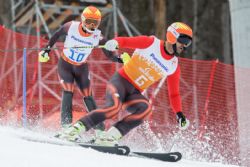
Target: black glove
47 49
182 121
110 55
116 59
43 56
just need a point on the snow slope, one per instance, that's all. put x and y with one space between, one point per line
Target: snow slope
17 152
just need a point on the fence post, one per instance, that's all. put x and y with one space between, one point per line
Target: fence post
24 114
210 84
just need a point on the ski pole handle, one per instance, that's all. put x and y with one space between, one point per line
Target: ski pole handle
100 46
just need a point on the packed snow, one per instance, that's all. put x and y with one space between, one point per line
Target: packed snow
17 151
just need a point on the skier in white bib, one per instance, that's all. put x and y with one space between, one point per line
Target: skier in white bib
72 65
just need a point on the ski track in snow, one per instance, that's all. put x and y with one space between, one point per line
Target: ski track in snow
18 152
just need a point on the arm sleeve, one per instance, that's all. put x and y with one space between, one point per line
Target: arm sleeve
62 31
174 90
139 42
113 56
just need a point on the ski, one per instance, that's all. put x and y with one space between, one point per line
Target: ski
168 157
119 150
125 150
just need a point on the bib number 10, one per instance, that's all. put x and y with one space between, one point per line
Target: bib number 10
75 56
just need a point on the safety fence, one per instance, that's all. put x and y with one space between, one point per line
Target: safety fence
207 89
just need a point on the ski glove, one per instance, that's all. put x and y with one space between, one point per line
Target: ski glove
125 57
183 122
111 45
43 56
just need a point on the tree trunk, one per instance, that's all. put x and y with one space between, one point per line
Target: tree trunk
160 18
5 13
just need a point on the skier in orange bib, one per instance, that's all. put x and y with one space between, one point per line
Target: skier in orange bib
152 60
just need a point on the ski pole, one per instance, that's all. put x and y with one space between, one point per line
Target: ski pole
54 48
177 136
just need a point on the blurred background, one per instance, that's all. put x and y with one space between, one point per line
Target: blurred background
215 71
209 19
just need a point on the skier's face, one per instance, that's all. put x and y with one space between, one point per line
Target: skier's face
91 24
179 47
183 43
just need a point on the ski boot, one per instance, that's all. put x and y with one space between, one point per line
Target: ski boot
72 132
108 138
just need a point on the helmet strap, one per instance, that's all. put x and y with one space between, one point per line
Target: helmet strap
175 50
85 29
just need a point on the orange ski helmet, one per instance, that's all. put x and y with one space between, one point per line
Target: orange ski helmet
180 32
91 15
91 12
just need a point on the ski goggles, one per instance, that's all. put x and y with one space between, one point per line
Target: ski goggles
92 21
185 40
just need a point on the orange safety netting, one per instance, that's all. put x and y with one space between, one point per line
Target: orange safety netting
207 89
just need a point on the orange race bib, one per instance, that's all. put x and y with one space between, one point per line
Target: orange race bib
147 66
142 72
